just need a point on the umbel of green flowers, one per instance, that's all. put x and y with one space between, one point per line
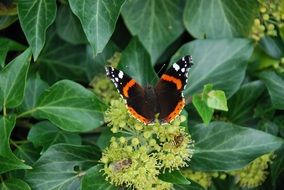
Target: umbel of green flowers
255 173
271 17
137 154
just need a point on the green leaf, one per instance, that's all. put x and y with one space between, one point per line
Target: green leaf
219 19
104 138
157 23
29 154
34 88
98 19
277 166
274 84
203 110
192 186
70 106
46 134
7 45
135 61
273 46
62 60
8 161
174 177
14 184
242 104
224 146
61 167
13 80
35 17
6 21
68 26
95 174
223 67
217 100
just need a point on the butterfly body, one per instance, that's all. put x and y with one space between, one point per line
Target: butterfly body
164 101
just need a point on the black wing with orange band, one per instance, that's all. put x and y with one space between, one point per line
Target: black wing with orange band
170 88
133 93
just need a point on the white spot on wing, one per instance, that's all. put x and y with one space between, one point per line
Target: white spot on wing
182 70
176 66
116 79
120 74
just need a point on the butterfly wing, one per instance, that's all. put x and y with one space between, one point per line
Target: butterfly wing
133 93
170 88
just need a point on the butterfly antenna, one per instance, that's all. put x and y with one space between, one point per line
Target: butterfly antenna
158 72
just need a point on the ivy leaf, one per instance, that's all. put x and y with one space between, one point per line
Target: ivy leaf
274 47
8 161
217 100
242 104
6 21
205 112
274 84
135 61
174 177
68 26
13 80
61 167
98 19
157 23
34 88
69 106
62 60
223 67
192 186
35 17
7 45
222 146
14 184
46 134
222 19
95 173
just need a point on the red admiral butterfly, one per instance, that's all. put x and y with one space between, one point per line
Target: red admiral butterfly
165 99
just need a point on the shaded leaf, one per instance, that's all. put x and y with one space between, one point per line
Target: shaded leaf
35 17
14 184
242 104
68 26
275 85
98 19
34 88
62 60
8 161
7 45
174 177
273 46
56 168
135 61
223 67
95 174
192 186
219 19
218 146
277 166
13 80
157 23
46 134
70 106
6 21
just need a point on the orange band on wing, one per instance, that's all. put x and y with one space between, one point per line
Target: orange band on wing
177 82
138 116
176 111
127 86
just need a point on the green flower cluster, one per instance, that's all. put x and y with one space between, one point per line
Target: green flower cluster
271 16
255 173
139 153
203 178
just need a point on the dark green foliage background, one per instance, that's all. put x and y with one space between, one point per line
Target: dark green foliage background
51 50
